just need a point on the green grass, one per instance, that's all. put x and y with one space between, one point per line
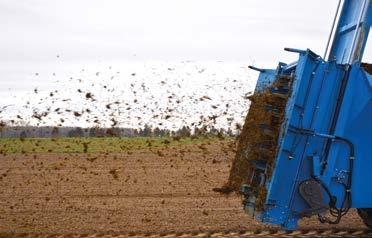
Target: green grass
92 145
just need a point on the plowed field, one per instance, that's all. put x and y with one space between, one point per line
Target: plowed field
145 191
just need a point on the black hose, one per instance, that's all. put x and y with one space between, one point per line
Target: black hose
342 211
336 114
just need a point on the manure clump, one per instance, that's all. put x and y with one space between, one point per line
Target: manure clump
259 137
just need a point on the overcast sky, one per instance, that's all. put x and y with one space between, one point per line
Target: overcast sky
92 30
45 41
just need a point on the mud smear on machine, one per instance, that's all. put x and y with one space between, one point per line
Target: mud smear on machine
367 67
258 140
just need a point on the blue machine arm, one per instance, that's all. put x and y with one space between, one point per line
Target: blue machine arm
352 32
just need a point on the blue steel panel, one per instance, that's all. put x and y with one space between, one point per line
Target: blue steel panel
293 145
265 78
355 123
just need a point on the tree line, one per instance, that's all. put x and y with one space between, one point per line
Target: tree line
146 131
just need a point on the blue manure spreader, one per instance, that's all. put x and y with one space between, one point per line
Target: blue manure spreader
306 145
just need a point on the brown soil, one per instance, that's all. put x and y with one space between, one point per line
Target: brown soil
140 193
256 143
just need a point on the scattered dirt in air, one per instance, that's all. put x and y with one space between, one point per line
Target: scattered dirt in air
2 125
258 139
89 95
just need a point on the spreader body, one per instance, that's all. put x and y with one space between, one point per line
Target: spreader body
323 155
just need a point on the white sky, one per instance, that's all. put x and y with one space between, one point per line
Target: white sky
97 34
228 30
